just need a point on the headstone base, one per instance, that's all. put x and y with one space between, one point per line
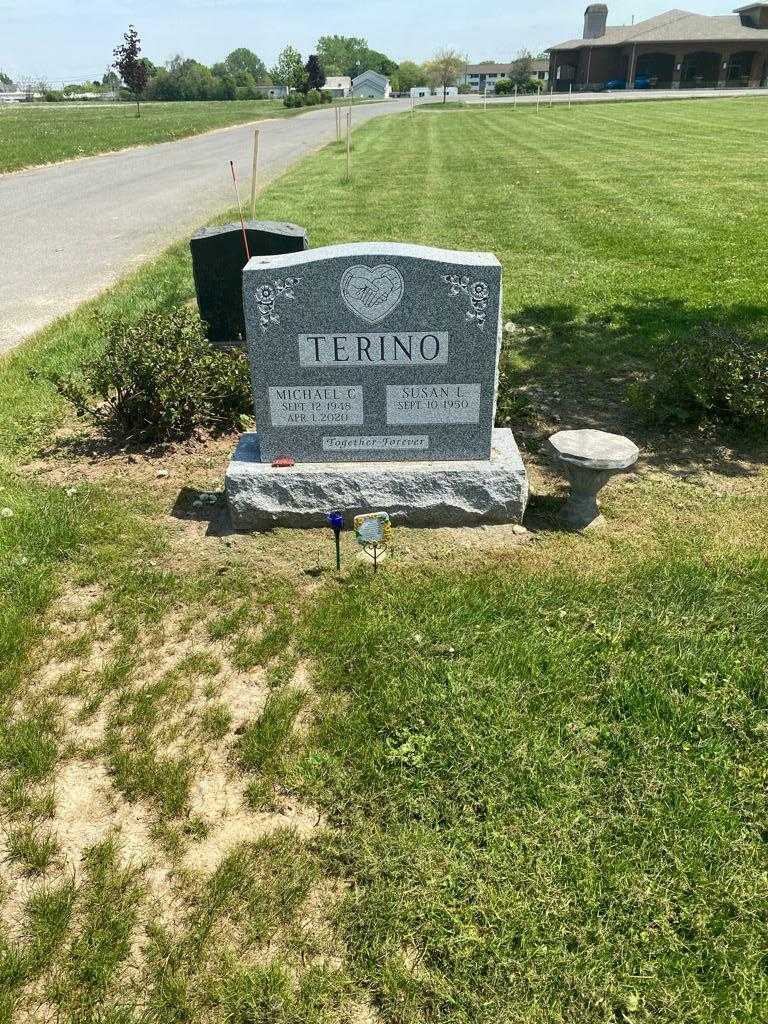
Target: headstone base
261 496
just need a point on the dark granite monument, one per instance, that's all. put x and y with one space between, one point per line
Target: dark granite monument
218 258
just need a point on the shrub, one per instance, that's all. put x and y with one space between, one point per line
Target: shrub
160 379
53 96
715 374
294 99
312 98
325 96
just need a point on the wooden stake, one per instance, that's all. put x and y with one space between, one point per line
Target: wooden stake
515 105
538 100
255 173
551 95
485 98
570 95
240 210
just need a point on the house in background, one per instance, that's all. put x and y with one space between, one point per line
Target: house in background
676 49
338 85
371 85
272 92
487 74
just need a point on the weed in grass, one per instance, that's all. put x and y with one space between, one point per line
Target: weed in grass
266 993
229 622
32 849
28 744
108 904
48 917
258 886
263 742
215 722
199 663
18 798
72 648
145 774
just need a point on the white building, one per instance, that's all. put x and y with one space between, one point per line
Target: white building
272 92
418 92
371 85
481 76
338 85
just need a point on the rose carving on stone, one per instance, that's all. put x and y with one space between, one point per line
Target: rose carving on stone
267 295
372 293
476 291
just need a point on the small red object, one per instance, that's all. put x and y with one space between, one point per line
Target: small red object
283 462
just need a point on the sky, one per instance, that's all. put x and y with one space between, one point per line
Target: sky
72 40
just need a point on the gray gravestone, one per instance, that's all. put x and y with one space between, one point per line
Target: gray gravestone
374 352
218 258
365 357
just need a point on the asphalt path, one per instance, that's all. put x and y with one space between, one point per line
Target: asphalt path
70 230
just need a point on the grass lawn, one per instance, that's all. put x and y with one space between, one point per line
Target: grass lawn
33 134
510 779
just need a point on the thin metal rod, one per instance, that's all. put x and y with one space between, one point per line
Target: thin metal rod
240 210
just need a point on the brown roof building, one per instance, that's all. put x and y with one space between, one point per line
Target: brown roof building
676 49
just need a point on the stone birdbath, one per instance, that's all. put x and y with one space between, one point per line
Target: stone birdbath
589 458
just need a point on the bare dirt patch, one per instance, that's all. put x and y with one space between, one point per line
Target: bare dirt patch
89 809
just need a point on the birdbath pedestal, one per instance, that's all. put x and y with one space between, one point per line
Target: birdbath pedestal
589 458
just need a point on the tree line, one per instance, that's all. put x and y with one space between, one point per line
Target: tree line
242 75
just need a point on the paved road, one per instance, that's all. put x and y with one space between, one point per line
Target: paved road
624 95
69 230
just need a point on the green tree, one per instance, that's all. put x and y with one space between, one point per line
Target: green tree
131 69
372 60
340 54
408 75
521 71
444 68
315 74
5 80
244 61
289 69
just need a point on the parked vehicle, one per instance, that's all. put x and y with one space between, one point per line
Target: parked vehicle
641 82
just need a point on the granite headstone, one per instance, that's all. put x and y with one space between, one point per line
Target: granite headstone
374 352
218 258
374 368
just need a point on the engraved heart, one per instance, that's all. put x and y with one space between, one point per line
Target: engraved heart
372 292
